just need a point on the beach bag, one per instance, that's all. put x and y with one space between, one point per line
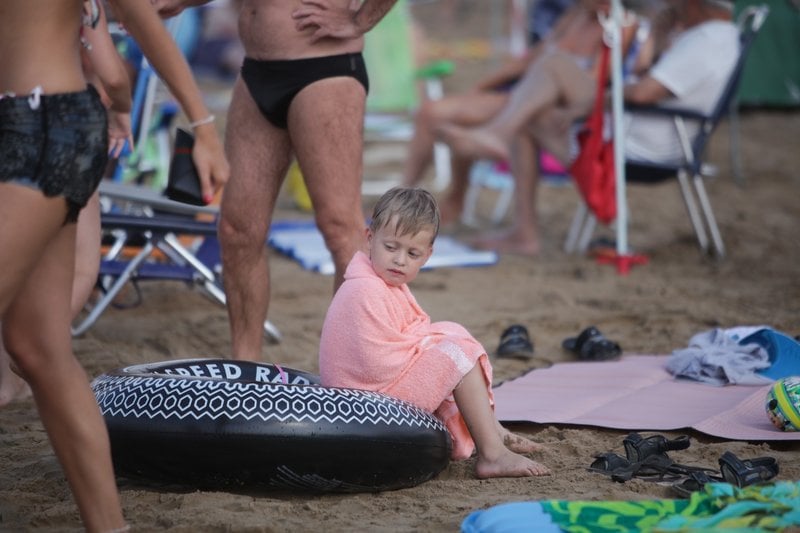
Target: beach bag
593 169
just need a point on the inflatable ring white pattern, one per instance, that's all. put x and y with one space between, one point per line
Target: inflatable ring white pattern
210 423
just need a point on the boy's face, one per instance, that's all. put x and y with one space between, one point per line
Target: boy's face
397 259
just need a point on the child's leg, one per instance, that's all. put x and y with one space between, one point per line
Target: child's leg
37 335
494 459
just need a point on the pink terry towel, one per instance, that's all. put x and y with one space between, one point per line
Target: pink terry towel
376 337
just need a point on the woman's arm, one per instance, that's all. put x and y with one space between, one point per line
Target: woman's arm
142 21
103 63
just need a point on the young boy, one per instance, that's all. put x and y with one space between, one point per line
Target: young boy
376 337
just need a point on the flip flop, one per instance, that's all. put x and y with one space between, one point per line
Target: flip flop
744 472
591 345
515 342
638 448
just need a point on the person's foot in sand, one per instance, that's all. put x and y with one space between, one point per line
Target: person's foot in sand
518 443
511 241
508 464
477 143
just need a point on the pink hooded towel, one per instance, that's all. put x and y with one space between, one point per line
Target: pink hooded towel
376 337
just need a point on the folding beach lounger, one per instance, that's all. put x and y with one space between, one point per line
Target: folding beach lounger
159 222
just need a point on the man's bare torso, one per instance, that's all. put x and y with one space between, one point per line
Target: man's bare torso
267 31
39 46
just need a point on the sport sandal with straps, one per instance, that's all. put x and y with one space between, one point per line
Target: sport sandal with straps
653 468
737 472
744 472
638 448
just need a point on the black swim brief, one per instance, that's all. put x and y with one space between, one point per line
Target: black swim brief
55 143
273 84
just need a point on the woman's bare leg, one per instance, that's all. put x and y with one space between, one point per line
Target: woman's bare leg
87 264
12 386
467 110
87 254
522 237
34 298
552 80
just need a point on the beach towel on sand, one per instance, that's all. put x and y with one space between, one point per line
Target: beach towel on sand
716 507
376 337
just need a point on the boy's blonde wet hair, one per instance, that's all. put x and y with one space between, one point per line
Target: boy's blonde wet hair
411 209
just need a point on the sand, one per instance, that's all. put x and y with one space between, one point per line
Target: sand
654 309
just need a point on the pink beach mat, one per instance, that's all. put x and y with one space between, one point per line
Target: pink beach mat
635 393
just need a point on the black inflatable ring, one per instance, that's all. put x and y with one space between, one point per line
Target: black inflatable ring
215 423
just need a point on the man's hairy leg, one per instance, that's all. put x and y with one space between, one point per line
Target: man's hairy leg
259 155
326 122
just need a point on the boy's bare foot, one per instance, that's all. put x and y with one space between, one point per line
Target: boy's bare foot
12 387
518 443
509 464
476 143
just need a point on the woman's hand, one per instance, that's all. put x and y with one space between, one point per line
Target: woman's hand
119 131
209 159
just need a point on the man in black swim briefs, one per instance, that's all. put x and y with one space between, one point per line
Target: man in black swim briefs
274 84
301 94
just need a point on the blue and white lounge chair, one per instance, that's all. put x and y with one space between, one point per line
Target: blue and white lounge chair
155 227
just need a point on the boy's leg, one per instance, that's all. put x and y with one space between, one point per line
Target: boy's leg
494 459
37 334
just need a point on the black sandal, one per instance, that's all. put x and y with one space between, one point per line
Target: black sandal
606 463
695 482
735 471
747 472
638 448
515 342
654 468
591 345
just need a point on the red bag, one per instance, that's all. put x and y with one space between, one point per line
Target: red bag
593 169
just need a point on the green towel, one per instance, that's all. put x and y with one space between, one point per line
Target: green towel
390 63
719 506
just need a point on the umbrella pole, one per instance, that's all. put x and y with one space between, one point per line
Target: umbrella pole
617 120
623 258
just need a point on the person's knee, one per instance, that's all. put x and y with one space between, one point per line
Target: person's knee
423 118
236 231
22 348
342 234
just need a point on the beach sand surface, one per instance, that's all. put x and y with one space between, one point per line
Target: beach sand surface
654 309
